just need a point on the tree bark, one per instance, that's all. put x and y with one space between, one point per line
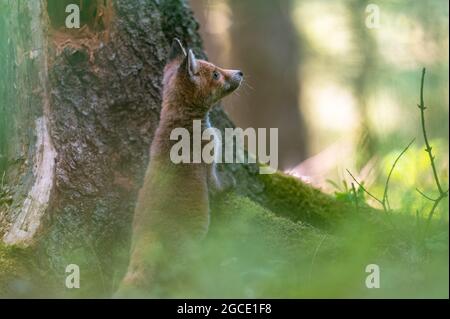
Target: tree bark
79 111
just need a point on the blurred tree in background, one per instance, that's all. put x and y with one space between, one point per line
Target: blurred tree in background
356 83
262 41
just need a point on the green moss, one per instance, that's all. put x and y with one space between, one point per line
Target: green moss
253 252
246 216
289 197
22 275
13 267
248 251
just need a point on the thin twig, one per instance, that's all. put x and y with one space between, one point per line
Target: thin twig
385 201
385 194
442 194
425 195
433 210
366 191
428 148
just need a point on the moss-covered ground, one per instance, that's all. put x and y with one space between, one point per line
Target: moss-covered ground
301 244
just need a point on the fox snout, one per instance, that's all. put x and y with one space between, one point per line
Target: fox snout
237 75
235 79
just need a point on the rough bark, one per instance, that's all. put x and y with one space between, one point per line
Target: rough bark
26 146
78 112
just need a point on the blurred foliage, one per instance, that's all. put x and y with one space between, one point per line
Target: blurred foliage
250 252
413 171
358 84
361 84
348 194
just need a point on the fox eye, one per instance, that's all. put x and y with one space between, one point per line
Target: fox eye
216 75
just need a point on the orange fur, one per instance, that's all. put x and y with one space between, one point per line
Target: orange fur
173 208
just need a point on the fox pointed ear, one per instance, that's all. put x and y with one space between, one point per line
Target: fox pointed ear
192 63
177 50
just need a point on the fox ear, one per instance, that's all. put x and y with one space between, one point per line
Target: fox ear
192 63
177 50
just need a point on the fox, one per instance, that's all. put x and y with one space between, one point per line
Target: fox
172 209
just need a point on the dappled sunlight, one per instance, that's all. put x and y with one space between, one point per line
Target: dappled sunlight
333 105
385 113
346 94
325 24
406 44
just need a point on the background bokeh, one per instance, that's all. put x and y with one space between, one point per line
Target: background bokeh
342 92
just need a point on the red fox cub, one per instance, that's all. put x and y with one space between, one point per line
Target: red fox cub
173 207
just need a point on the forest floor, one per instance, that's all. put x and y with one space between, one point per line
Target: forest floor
253 252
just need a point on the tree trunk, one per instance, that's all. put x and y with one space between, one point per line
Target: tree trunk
78 115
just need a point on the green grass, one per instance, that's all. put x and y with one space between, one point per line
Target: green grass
251 251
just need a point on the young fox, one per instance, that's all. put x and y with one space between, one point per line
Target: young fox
173 207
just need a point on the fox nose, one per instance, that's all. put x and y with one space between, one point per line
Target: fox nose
237 75
235 80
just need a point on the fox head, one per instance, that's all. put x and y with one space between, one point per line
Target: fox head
199 83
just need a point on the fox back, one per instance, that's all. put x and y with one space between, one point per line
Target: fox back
173 204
